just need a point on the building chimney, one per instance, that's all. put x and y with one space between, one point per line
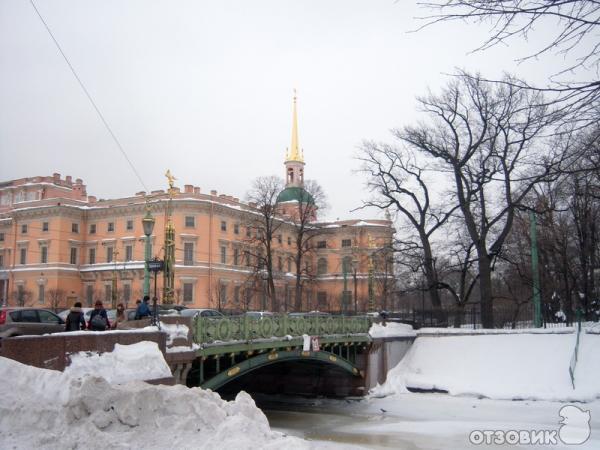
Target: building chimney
92 199
196 190
188 189
213 192
69 179
56 177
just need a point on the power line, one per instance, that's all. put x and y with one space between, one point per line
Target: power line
90 98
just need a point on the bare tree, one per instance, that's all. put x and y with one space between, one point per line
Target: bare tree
306 231
22 297
573 34
398 181
485 136
263 224
56 298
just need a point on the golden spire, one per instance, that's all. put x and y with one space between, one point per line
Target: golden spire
294 153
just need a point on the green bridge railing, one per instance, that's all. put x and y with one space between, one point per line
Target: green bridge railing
209 330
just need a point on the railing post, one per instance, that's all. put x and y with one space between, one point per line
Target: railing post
246 332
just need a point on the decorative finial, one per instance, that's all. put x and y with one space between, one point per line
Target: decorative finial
294 152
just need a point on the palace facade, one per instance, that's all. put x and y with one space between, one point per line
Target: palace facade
59 245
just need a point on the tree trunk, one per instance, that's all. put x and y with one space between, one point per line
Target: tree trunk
485 289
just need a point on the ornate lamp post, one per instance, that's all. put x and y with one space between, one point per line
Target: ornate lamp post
148 224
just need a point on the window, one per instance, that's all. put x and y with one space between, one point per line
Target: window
322 266
129 225
41 294
236 295
126 293
289 240
223 225
222 295
48 317
248 259
190 221
322 244
89 294
45 226
108 293
236 256
347 264
1 237
1 260
279 239
23 256
109 254
236 228
110 226
289 267
74 227
188 254
223 254
346 242
247 297
93 228
23 229
280 263
248 232
44 255
128 252
73 259
188 292
92 256
321 300
21 295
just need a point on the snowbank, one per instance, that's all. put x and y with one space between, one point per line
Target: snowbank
141 361
391 329
509 366
52 410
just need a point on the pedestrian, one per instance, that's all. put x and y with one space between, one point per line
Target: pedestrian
120 317
99 318
75 319
143 310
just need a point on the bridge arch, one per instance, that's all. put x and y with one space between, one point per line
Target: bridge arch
275 357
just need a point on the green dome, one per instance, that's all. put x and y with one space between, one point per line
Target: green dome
295 194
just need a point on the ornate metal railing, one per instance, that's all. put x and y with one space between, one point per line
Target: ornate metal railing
244 328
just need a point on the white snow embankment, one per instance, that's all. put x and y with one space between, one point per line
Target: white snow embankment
391 329
508 366
140 361
48 409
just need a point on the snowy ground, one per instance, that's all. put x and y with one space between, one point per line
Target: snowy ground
423 421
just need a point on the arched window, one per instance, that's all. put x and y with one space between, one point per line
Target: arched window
322 266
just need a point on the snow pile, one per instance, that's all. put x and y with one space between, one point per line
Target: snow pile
391 329
47 409
509 366
141 361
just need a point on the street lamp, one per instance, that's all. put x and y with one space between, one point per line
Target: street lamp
355 268
148 224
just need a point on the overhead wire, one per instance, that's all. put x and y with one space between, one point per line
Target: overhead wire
110 131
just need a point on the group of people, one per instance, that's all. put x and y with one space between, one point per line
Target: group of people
99 318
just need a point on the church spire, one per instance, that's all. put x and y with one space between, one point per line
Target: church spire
294 157
295 154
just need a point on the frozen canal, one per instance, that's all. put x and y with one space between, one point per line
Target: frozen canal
418 421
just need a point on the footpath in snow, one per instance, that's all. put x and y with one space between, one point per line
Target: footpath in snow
513 366
85 407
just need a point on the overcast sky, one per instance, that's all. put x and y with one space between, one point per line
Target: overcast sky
205 88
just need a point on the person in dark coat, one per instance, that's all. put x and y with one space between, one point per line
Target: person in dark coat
75 320
143 310
99 318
